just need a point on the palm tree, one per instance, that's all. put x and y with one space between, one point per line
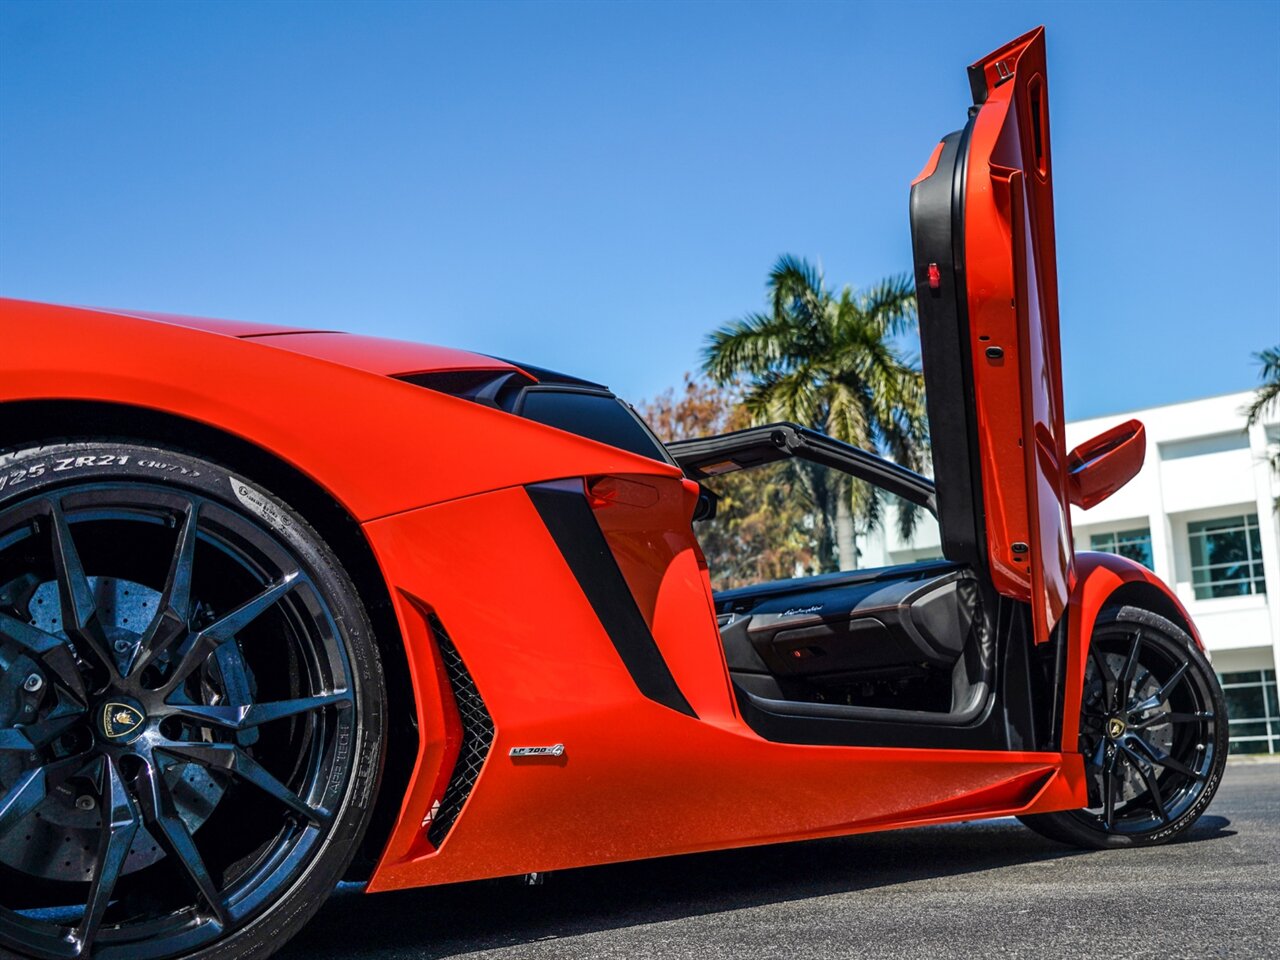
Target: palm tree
1268 395
830 362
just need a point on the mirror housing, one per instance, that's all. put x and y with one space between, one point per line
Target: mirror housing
707 504
1099 467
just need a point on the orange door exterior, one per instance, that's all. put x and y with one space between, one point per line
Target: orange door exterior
1012 290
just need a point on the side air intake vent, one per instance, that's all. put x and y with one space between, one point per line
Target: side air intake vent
477 736
493 388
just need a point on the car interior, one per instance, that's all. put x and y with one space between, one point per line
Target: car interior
904 654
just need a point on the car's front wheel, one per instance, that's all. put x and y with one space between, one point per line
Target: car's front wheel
191 709
1153 733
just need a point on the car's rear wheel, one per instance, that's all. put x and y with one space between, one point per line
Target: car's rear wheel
1153 733
191 709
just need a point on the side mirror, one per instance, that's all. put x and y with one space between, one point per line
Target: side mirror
706 507
1099 467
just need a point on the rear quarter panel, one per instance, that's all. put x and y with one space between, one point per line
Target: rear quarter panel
637 779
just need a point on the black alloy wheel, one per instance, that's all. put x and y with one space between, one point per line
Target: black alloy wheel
1153 733
190 709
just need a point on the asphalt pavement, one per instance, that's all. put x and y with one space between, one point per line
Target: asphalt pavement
975 890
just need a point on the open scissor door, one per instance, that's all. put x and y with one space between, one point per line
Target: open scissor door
986 275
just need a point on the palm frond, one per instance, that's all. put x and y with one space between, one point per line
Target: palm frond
847 416
908 519
1269 392
752 344
891 304
831 362
785 396
867 502
793 280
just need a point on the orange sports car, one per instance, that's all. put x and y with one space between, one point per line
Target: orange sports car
280 606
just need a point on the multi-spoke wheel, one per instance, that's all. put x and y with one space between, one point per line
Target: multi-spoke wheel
1153 732
189 693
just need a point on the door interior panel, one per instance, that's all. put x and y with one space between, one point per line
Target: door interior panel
925 654
890 683
918 655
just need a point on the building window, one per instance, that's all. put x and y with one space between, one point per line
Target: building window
1134 544
1253 711
1226 557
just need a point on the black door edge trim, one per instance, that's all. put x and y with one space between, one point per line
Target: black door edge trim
786 722
569 520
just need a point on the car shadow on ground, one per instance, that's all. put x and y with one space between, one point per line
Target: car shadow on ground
446 921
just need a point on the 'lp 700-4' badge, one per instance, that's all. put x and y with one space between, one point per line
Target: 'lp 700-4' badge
554 751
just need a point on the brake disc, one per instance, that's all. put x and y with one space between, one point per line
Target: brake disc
59 841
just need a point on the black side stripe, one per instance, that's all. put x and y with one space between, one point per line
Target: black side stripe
572 525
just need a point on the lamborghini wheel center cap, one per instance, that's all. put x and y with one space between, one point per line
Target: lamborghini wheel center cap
1116 728
121 721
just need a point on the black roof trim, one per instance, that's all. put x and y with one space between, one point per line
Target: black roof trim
545 376
744 449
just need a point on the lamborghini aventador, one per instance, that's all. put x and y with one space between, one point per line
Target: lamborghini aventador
284 606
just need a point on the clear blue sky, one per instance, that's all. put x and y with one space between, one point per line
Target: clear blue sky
594 187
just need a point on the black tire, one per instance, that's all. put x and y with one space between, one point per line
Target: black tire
1161 774
313 653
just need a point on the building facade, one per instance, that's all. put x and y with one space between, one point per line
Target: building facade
1203 516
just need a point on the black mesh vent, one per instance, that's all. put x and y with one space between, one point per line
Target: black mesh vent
477 736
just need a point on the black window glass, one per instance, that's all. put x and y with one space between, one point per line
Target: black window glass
1134 544
1245 703
1226 557
592 415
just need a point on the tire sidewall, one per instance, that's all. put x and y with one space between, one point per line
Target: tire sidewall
1074 826
39 470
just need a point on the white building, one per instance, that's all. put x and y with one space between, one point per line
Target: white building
1203 515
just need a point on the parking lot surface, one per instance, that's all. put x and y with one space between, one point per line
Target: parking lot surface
972 890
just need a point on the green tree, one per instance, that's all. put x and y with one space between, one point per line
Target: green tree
832 362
